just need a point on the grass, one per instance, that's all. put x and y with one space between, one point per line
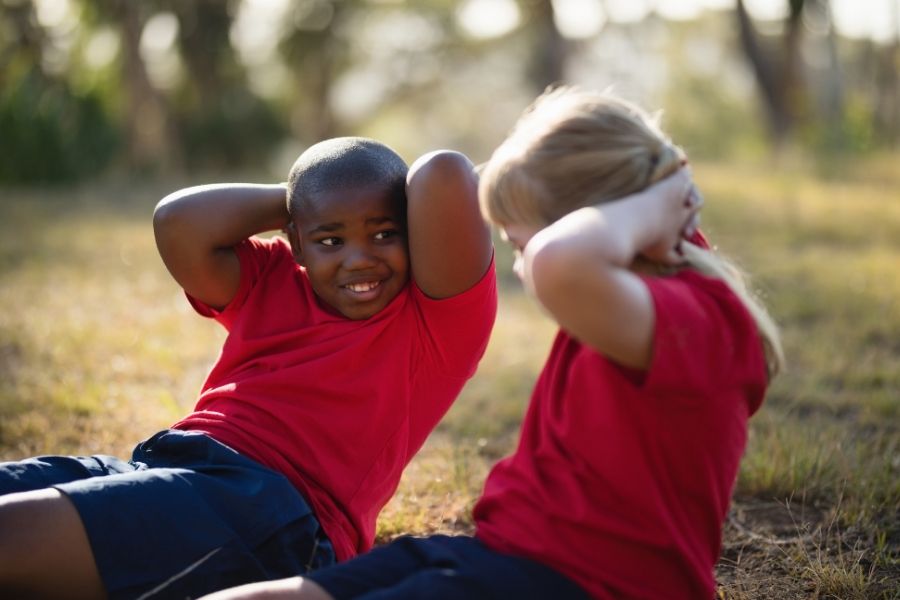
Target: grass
99 349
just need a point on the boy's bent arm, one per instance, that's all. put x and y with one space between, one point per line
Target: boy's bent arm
449 243
197 228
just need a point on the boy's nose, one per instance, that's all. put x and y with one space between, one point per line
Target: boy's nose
359 258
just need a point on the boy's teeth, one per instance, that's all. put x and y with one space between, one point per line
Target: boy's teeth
363 287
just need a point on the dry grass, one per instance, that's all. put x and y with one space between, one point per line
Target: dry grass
98 349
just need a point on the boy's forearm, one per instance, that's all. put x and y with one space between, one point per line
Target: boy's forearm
221 215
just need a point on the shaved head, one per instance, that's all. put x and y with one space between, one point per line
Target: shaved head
341 163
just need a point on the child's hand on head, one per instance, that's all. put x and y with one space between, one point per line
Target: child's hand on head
673 207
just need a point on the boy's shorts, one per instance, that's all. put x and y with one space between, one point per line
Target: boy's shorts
443 567
185 517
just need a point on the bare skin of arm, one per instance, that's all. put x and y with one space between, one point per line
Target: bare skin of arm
449 243
579 267
196 229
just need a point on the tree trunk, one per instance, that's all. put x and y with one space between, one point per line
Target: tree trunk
205 47
147 124
888 105
779 73
834 101
547 63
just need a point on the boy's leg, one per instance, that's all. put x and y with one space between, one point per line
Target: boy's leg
188 516
44 550
45 471
192 517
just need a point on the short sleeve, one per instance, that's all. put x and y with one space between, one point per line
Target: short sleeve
703 337
456 330
253 254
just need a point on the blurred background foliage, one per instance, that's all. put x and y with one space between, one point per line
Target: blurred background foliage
790 110
176 87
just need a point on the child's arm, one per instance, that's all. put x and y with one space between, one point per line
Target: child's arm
196 229
578 267
449 243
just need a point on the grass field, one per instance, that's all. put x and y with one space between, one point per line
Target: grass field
98 349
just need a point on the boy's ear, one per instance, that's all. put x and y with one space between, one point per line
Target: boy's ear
294 241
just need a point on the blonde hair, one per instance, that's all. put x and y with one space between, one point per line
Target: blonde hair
573 148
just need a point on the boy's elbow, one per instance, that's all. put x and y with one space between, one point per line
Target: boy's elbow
167 218
441 168
162 214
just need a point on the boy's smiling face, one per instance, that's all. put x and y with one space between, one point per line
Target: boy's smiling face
352 242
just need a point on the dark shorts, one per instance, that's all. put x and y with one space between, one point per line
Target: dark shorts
443 567
184 517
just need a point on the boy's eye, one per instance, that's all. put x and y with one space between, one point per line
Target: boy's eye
386 234
330 241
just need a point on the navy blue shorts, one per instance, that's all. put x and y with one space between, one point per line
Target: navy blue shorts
185 516
444 567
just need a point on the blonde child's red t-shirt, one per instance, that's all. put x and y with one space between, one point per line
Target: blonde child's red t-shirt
622 479
339 406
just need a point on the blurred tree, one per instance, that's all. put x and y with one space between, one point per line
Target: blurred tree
51 131
220 122
148 123
146 120
888 102
316 53
21 40
778 69
205 47
549 49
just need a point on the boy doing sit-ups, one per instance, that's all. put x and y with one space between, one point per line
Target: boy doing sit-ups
345 347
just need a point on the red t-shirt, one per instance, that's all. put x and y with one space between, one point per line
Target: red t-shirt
339 406
622 479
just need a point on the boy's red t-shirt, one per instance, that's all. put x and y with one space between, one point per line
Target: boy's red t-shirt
339 406
622 479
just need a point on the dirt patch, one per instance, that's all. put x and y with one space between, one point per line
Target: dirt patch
796 550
